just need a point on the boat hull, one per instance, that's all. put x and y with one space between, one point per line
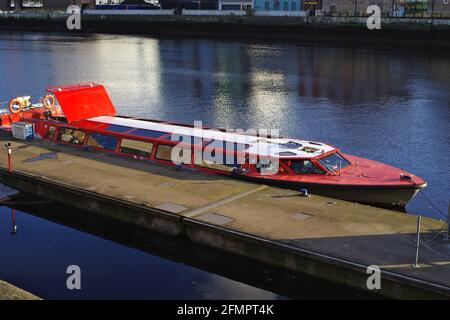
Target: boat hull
392 197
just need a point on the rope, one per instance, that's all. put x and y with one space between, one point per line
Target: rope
432 204
441 232
443 228
437 233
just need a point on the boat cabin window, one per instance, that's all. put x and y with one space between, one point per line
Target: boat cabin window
286 154
291 145
51 132
267 166
217 160
135 147
71 136
117 128
309 149
186 139
147 133
102 141
164 152
303 167
226 145
334 162
214 165
223 155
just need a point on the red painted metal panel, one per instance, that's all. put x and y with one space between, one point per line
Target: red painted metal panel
83 101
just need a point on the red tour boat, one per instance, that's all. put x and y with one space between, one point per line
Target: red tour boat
83 116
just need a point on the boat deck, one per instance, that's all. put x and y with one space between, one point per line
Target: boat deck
328 238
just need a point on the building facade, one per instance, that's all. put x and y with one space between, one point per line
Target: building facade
441 8
235 4
393 8
355 7
312 5
63 4
189 4
277 5
6 5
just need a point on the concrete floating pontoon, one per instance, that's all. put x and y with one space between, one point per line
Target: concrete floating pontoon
327 238
10 292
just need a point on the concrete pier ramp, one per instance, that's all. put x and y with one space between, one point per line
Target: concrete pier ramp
331 239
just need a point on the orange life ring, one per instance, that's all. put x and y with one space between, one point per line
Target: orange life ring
49 102
15 105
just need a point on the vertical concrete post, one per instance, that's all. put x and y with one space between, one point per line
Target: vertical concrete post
416 263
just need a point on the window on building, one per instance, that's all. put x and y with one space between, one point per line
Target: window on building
231 7
102 141
135 147
267 6
293 6
71 136
276 6
286 6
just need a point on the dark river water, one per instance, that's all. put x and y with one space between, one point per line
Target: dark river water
388 106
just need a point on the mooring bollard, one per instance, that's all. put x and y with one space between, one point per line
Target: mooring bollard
304 192
416 263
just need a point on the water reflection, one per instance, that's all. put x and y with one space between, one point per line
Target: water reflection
37 256
120 261
390 106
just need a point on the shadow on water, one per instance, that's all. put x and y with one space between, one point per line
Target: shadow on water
274 279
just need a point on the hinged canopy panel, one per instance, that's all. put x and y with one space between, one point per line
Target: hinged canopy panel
83 101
